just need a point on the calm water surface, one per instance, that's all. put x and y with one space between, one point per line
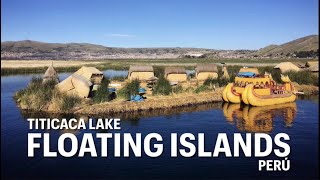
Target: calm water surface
299 120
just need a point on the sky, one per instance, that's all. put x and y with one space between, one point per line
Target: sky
215 24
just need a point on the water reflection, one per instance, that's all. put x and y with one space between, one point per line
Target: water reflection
209 119
133 117
258 119
246 118
168 112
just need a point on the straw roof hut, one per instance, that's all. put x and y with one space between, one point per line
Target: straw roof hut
140 72
75 85
50 74
204 71
91 74
252 70
175 74
313 66
81 82
289 66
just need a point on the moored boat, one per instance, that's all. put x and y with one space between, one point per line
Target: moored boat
277 94
251 88
233 91
224 94
232 95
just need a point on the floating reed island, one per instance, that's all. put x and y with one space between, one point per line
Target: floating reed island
154 103
146 88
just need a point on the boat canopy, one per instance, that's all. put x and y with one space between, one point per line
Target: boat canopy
247 74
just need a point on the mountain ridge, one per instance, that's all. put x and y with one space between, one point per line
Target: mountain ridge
28 49
306 43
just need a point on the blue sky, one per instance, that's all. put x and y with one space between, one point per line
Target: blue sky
220 24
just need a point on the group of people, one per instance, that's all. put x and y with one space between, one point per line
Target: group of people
257 85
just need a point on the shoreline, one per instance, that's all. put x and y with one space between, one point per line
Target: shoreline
154 103
150 104
16 67
157 103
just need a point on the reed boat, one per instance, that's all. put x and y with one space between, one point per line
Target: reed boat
273 95
232 92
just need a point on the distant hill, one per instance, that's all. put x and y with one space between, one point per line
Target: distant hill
308 43
28 46
28 49
35 46
39 50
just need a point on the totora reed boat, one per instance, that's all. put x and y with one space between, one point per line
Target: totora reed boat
258 90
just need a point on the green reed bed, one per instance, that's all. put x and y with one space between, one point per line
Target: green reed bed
38 96
102 94
131 88
162 87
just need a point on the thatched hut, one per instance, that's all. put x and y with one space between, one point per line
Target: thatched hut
50 74
289 66
313 66
175 74
81 82
140 72
91 74
204 71
246 69
75 85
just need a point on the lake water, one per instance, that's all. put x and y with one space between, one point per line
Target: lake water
299 120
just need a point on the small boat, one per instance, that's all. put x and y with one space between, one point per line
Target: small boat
232 92
277 94
258 90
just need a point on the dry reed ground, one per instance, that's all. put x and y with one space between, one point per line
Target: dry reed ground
119 105
75 63
307 89
154 102
167 102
